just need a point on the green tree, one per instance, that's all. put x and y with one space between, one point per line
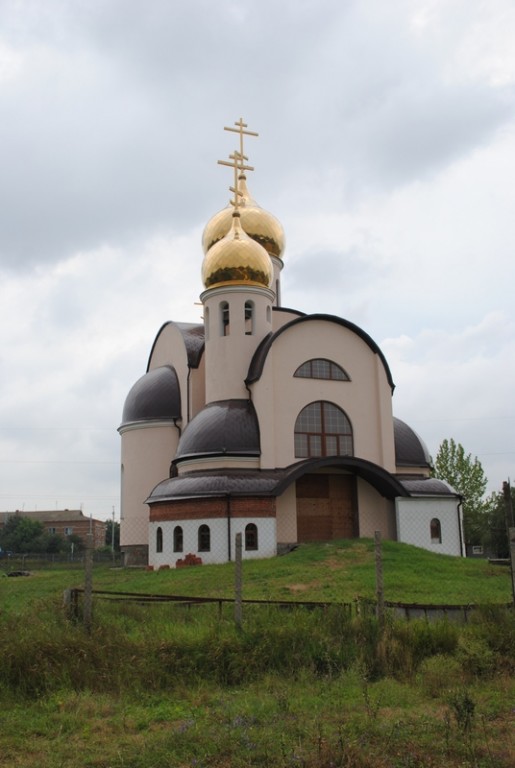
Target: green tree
466 475
21 534
496 540
109 535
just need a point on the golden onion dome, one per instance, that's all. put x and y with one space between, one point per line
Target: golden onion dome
259 224
237 259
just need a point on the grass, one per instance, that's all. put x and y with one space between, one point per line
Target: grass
164 685
338 571
276 722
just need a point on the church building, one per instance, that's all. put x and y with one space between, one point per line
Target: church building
266 421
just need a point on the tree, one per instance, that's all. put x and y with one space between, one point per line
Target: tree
21 534
465 474
499 520
109 535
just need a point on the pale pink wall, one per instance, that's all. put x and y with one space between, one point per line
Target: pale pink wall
375 513
366 399
146 456
228 357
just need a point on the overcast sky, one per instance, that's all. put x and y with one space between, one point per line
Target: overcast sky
386 149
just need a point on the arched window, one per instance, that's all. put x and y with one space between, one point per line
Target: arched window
224 319
319 368
178 539
204 538
269 314
323 429
436 531
206 322
251 536
249 318
159 539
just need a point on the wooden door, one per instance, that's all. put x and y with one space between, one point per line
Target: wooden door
326 507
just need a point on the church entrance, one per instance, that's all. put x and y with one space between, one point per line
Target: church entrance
326 507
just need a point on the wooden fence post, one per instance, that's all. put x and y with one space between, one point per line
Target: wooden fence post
379 577
238 582
88 583
511 541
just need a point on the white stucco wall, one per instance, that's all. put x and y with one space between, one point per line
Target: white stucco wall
219 552
414 517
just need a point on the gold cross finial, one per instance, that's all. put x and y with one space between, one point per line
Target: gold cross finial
241 130
239 166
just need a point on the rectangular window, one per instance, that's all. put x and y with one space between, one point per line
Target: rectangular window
51 530
68 531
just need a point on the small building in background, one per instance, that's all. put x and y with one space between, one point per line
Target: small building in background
64 523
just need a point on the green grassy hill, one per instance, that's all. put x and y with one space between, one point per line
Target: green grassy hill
339 571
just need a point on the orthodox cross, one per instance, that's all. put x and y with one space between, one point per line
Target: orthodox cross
241 130
239 166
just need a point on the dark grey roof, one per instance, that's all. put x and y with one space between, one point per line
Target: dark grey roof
228 482
258 361
429 486
220 428
269 482
156 395
410 449
194 338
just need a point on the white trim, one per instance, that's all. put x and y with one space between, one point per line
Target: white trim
147 424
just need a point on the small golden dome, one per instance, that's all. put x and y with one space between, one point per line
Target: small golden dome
236 258
259 224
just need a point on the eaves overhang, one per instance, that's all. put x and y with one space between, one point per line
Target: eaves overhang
270 482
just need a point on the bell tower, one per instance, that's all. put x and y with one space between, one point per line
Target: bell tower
238 276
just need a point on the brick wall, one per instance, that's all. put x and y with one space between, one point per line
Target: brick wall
197 509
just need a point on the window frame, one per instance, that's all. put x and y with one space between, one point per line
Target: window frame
178 539
435 530
251 538
336 372
316 441
159 539
204 538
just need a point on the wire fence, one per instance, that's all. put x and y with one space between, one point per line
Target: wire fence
379 607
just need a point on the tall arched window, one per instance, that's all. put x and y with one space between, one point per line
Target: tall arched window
436 531
204 538
323 429
251 536
178 539
225 326
159 539
249 318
